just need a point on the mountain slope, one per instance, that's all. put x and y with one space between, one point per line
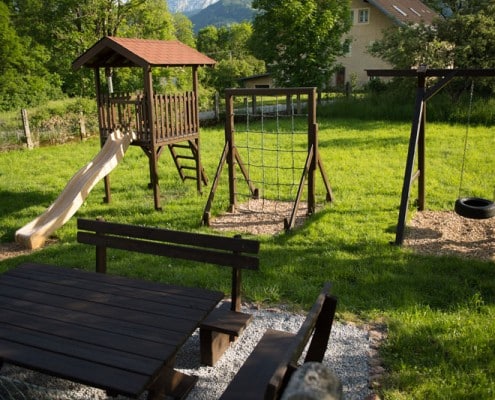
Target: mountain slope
223 12
188 6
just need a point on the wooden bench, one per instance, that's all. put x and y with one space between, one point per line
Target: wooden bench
224 324
267 369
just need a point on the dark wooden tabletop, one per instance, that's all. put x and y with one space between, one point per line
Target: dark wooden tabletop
106 331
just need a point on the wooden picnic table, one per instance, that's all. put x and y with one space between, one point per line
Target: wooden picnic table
110 332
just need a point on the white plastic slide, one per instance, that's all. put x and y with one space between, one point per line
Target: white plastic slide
34 234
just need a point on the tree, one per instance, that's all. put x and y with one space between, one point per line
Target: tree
24 80
465 39
228 45
472 35
66 28
300 39
411 45
183 28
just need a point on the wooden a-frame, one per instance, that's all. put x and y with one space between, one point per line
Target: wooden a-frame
231 156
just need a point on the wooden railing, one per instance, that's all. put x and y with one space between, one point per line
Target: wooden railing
175 116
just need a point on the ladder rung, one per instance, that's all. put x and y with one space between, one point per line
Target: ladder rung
185 157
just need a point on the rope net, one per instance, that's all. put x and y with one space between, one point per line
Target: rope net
271 149
271 140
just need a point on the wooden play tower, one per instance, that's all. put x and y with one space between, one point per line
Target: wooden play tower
156 120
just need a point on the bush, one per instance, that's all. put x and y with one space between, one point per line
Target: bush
395 102
55 122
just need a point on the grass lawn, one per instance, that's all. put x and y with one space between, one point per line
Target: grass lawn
440 311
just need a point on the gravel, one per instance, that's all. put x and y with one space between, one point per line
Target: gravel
348 355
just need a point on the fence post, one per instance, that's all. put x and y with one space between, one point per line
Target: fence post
217 106
82 125
27 132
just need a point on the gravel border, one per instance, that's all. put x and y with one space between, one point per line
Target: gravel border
348 355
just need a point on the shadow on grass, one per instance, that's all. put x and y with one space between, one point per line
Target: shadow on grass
371 276
13 203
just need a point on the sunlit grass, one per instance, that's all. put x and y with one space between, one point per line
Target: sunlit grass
439 310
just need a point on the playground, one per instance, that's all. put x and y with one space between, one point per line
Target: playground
345 235
347 241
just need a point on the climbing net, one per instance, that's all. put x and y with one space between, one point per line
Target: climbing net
271 140
271 149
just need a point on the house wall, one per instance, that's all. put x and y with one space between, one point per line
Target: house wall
264 81
362 34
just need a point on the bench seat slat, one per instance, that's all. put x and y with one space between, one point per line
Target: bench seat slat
226 321
251 380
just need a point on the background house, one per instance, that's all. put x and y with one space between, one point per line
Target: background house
257 81
369 19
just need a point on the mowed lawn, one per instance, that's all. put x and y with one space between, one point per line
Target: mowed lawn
439 311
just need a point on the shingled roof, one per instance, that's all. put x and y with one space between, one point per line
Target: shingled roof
112 51
405 11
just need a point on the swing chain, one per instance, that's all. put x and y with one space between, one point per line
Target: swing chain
466 135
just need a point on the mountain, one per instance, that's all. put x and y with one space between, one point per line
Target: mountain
188 7
223 12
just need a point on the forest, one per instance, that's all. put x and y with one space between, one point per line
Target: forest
40 39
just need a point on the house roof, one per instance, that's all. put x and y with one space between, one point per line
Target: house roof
112 51
405 11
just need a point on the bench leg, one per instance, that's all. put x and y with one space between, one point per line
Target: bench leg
171 383
212 345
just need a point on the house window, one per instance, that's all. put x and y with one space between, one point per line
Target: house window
346 48
363 15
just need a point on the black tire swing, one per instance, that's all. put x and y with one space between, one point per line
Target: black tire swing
472 207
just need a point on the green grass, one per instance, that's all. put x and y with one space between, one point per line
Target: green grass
439 310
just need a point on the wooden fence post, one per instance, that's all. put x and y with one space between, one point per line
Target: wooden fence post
82 125
27 132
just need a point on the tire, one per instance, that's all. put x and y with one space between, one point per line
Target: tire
474 208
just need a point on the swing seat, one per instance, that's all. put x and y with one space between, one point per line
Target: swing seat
474 208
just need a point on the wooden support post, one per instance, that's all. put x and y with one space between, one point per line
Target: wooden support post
421 160
229 138
197 153
312 144
101 254
418 122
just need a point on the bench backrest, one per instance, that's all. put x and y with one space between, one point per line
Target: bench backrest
317 327
235 252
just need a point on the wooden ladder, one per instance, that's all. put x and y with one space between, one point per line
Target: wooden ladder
187 161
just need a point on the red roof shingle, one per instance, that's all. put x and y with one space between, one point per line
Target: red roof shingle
406 11
117 52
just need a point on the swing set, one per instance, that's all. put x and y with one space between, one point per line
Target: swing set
467 207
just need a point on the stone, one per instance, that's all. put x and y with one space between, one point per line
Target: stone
313 381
